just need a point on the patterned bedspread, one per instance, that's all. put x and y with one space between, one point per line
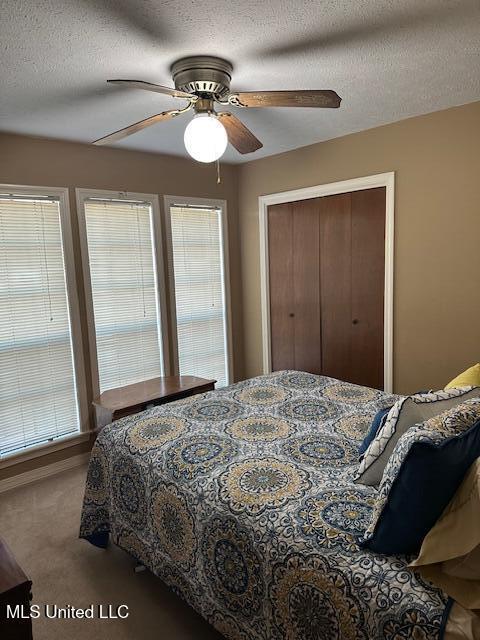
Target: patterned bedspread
242 500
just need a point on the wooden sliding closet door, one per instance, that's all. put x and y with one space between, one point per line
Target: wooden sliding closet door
368 286
336 285
327 271
352 275
306 292
294 286
280 253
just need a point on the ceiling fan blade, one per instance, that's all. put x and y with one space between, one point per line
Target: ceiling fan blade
138 126
238 135
317 98
149 86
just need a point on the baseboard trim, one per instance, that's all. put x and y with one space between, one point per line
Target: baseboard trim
43 472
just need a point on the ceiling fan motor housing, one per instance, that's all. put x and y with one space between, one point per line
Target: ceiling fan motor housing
203 75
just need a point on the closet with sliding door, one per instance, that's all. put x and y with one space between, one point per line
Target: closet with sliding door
326 282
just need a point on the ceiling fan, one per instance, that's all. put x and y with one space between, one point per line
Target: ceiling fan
204 81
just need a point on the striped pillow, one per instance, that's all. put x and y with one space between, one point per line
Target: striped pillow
405 413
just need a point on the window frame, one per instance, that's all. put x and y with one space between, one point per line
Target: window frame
206 203
71 284
152 199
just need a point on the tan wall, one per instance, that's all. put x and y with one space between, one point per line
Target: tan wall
436 159
42 162
437 216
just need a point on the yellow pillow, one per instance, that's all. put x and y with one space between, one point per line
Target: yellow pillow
470 377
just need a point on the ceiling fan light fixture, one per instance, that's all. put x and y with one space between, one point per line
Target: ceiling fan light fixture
205 138
204 81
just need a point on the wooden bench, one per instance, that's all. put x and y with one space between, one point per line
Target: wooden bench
125 401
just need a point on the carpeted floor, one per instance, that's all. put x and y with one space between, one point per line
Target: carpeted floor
40 524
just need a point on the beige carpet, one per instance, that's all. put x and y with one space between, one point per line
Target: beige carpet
40 524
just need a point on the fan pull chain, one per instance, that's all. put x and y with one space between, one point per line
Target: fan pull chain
219 178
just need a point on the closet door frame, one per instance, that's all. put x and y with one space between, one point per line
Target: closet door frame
386 180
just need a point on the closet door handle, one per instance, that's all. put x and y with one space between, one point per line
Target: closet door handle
355 321
292 315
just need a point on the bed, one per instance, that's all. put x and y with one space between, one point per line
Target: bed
242 500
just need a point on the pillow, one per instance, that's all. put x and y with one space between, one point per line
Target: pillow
466 567
378 422
404 414
470 376
462 624
450 553
421 477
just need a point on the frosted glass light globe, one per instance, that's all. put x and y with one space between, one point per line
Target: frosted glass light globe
205 138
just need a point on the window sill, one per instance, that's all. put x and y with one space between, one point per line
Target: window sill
44 449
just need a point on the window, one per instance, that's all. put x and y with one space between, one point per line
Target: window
124 293
200 297
38 386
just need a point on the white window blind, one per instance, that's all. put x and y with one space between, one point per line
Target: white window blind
38 397
124 291
198 267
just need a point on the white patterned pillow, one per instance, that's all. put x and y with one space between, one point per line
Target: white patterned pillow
405 413
405 511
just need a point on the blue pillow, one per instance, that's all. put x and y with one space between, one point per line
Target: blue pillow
378 422
421 477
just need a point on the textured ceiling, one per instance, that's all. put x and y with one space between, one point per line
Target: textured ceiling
387 59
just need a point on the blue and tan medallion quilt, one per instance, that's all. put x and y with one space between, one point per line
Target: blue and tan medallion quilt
242 500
